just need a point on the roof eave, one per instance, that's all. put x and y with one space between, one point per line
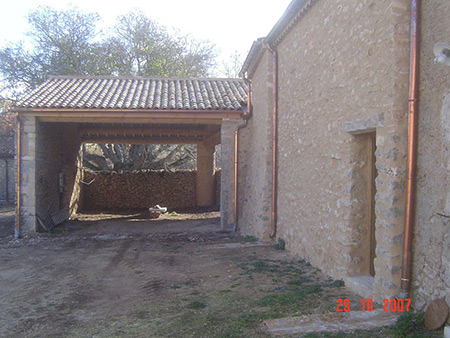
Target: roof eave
290 16
128 115
291 13
254 54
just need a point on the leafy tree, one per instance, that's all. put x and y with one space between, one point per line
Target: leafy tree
61 45
7 119
69 43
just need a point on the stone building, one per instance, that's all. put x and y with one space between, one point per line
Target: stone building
323 160
323 154
64 112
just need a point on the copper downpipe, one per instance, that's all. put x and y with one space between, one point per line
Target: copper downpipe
18 228
274 141
412 150
246 117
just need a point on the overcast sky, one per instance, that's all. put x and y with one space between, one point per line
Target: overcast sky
231 24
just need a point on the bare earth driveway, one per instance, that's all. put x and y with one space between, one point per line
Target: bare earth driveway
127 276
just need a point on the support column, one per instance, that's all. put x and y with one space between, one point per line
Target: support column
205 175
28 176
227 173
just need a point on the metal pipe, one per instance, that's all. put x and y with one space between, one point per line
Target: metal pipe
412 150
246 117
18 228
274 140
6 181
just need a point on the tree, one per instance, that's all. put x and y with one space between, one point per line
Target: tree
61 45
232 66
113 157
69 43
7 119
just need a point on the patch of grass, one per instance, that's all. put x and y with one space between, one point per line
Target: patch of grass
409 324
298 282
249 239
281 244
278 270
338 283
196 304
290 300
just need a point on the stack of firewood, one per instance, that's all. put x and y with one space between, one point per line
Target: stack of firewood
139 190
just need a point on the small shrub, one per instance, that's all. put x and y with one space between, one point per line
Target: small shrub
409 324
249 239
281 244
338 283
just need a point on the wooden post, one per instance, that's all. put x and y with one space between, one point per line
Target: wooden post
205 175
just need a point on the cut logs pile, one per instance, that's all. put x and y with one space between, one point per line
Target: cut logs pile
139 190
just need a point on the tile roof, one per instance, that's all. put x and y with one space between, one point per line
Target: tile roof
136 93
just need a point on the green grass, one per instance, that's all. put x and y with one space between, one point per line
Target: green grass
264 289
281 244
196 304
290 299
249 239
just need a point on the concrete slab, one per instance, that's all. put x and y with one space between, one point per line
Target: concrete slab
331 322
447 332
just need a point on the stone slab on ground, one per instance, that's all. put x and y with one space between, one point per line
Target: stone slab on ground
331 322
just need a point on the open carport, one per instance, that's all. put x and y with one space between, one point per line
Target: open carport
64 112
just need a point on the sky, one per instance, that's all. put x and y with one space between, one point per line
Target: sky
232 25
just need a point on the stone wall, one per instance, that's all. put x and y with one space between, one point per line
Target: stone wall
343 75
431 247
7 181
255 157
28 175
57 148
141 190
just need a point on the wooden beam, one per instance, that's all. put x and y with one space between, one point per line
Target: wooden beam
142 131
123 114
70 119
213 139
132 140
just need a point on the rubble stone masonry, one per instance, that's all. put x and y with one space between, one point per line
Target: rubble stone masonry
431 246
343 75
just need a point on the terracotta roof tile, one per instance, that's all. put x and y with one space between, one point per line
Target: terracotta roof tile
136 93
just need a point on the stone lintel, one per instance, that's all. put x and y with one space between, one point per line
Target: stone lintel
363 125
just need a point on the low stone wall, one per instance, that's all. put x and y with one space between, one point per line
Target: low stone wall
140 190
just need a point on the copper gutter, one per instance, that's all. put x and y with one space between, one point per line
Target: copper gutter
246 117
274 140
18 228
412 150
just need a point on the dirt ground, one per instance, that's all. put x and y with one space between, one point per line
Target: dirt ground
108 275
